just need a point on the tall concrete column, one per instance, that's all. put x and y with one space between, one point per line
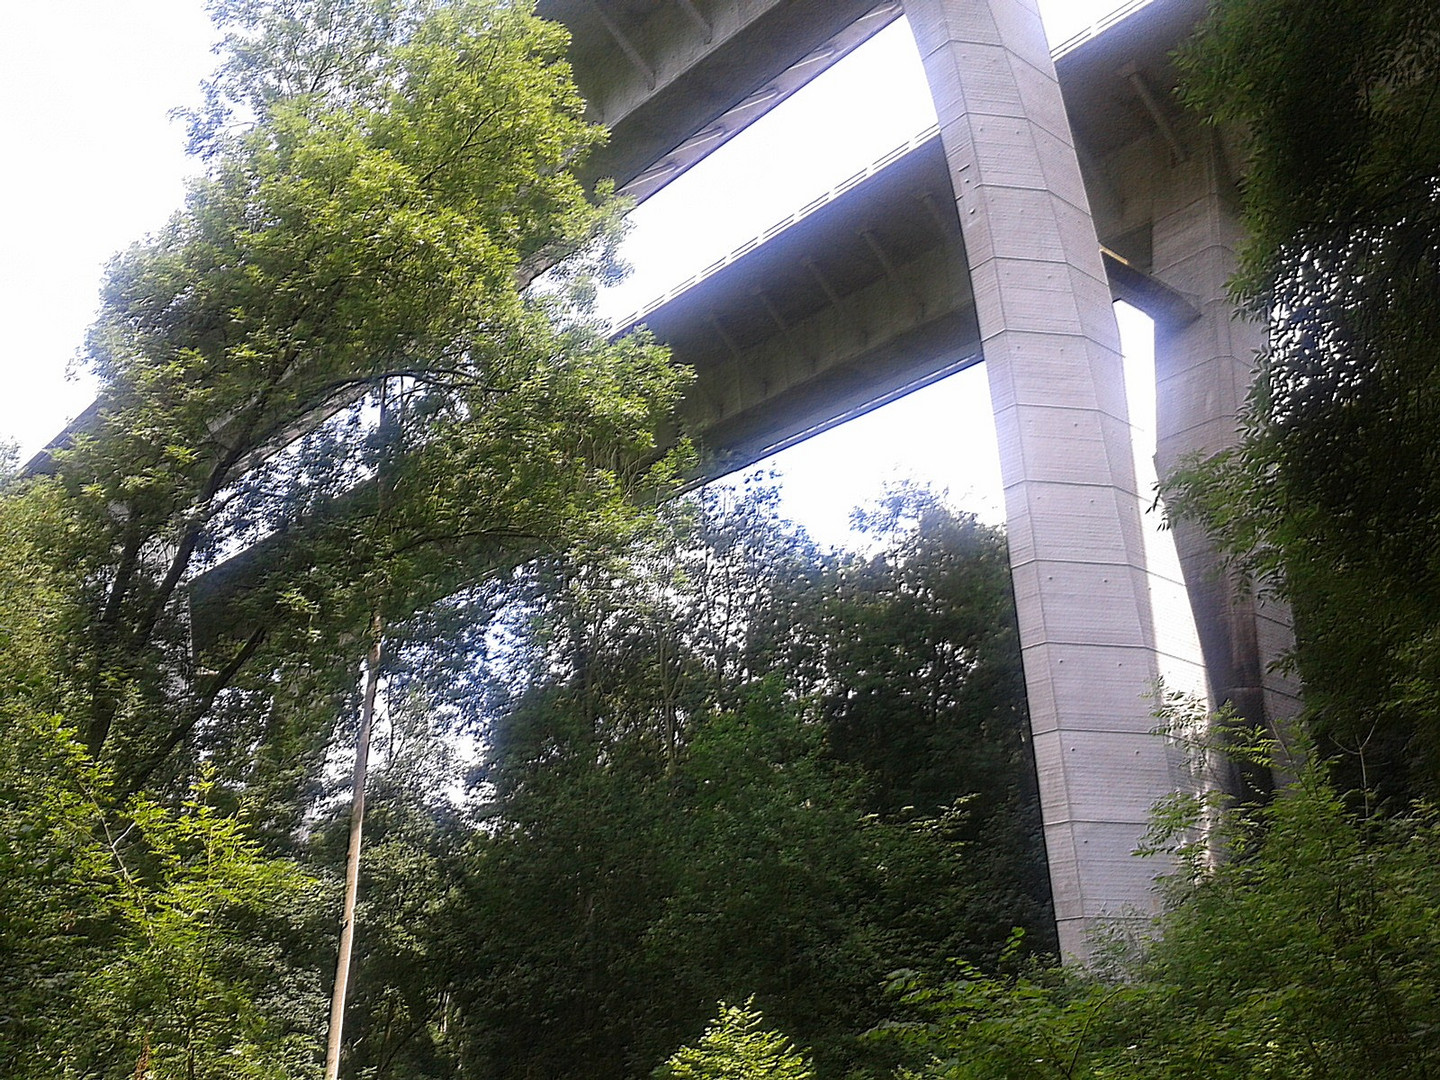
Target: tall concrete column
1204 368
1052 352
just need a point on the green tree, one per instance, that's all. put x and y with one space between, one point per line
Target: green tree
670 821
326 403
361 233
135 938
736 1047
1334 489
197 984
913 654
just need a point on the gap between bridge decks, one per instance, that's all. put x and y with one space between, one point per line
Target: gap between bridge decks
700 144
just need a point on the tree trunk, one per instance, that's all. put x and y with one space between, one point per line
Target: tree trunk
352 860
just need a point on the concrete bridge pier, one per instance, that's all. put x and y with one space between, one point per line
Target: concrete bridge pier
1204 367
1052 352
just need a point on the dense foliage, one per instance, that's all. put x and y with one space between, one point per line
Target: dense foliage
1310 950
676 807
1334 491
677 812
323 374
130 932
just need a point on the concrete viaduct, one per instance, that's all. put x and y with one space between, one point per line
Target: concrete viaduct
1052 184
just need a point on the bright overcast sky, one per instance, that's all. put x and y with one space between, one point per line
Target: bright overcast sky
86 86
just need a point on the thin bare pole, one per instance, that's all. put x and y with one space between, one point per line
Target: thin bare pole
362 762
352 859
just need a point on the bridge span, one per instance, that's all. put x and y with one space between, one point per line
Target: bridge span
1051 185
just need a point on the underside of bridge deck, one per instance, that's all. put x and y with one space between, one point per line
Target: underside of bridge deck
984 240
981 240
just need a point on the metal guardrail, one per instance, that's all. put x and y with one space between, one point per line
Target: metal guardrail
780 226
1068 45
1074 41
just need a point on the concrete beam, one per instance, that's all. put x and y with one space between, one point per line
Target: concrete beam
675 79
811 327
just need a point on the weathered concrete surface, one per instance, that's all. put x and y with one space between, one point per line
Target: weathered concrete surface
1057 388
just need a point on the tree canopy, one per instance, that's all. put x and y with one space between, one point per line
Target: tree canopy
378 176
326 403
675 813
1334 489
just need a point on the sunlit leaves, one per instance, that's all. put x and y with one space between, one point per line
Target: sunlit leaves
736 1047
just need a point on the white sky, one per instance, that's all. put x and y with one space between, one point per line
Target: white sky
94 163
